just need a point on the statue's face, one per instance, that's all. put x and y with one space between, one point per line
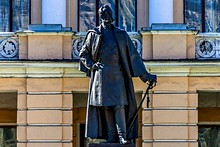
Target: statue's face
106 14
107 17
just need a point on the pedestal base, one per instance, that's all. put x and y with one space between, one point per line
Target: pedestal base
110 145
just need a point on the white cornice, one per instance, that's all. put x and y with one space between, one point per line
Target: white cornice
41 69
59 69
188 32
184 68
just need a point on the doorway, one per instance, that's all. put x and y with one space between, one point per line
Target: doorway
209 118
8 119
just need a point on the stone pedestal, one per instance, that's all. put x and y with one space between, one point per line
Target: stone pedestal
168 41
45 42
110 145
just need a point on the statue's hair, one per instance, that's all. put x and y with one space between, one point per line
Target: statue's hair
105 8
104 11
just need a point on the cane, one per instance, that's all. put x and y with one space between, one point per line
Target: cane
151 84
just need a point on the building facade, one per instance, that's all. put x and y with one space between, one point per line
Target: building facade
43 95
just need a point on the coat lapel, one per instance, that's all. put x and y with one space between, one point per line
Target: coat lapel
123 49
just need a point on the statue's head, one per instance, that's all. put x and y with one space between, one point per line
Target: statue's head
105 13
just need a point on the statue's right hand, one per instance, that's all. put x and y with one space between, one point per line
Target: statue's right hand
97 66
148 77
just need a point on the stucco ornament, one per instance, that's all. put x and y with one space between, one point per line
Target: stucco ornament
76 47
137 45
9 48
205 48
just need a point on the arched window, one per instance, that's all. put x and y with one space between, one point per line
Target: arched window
14 15
124 12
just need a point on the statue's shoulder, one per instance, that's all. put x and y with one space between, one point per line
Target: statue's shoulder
95 30
117 29
93 33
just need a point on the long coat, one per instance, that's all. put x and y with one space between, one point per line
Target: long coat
133 67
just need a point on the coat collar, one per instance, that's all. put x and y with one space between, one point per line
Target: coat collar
98 29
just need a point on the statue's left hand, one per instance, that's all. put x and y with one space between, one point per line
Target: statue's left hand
97 66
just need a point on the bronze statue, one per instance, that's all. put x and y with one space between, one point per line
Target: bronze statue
109 57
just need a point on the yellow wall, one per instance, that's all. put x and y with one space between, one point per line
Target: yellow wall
46 89
46 101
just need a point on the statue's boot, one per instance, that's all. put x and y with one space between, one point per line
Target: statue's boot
111 128
121 124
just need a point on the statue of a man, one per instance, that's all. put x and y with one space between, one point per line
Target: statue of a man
109 57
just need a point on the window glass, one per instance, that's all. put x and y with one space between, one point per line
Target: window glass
4 15
212 15
20 19
193 13
8 137
14 15
203 14
87 15
209 136
127 15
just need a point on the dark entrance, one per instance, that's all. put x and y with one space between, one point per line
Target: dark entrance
209 118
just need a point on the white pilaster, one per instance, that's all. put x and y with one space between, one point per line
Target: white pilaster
160 11
54 12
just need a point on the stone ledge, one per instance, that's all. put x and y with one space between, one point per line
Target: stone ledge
110 145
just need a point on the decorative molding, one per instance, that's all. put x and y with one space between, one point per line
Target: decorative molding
170 124
168 32
9 48
208 46
45 125
76 47
50 69
174 141
185 69
170 108
44 141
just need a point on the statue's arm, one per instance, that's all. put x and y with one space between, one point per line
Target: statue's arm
137 64
85 52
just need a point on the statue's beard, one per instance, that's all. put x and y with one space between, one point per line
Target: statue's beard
107 22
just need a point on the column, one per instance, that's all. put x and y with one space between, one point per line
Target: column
36 11
54 12
160 11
